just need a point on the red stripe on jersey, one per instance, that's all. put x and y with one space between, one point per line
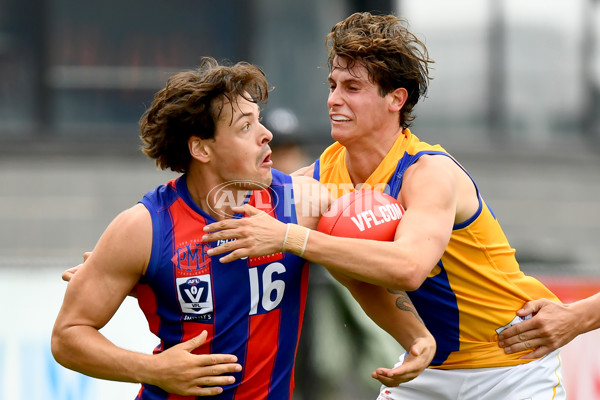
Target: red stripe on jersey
149 305
254 261
263 200
260 356
189 251
303 293
193 329
187 236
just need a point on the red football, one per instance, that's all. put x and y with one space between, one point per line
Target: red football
363 214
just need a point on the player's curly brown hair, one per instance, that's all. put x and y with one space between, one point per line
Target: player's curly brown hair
393 56
191 103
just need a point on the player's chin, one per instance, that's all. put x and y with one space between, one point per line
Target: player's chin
341 131
268 175
337 135
265 178
259 181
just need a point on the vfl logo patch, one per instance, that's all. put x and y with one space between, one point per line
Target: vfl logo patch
195 296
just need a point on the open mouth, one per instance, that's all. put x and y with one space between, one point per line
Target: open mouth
267 159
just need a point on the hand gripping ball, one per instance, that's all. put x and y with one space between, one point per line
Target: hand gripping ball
362 214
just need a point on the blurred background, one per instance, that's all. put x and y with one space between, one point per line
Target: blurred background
515 97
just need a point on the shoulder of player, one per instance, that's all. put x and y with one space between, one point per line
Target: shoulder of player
128 238
442 167
135 217
113 268
305 171
311 198
303 179
438 181
307 188
431 179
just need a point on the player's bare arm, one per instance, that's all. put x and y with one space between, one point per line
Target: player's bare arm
92 298
312 200
420 349
434 201
404 303
394 312
430 196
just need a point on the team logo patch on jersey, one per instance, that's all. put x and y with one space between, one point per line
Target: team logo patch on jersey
195 296
190 258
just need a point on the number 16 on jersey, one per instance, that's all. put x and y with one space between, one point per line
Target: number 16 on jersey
266 290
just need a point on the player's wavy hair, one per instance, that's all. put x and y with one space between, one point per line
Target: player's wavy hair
393 56
190 105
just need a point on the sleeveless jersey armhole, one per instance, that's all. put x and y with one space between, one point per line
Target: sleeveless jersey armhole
154 254
317 170
407 161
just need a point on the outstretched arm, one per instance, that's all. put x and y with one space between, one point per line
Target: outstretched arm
93 296
553 325
430 198
394 312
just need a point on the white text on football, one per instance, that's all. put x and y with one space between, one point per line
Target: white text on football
368 219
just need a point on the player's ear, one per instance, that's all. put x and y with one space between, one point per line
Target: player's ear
199 149
399 97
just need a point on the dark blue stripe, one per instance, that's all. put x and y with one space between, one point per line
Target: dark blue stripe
317 170
436 303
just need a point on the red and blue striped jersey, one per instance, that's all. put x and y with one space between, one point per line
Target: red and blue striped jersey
251 307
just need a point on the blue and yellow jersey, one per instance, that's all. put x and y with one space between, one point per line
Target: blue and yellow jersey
477 286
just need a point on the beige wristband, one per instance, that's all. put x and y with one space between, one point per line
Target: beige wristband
295 240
